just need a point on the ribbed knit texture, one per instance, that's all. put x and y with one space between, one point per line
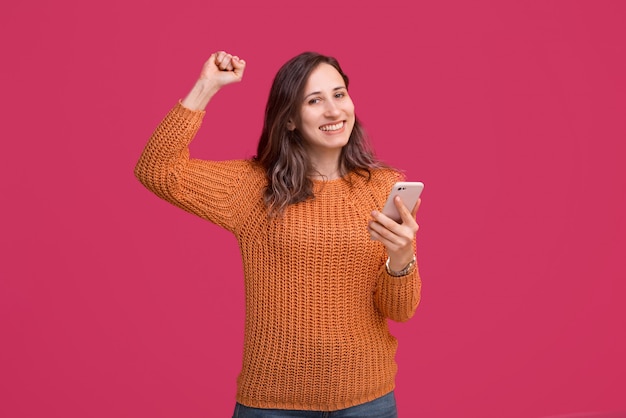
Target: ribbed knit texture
317 292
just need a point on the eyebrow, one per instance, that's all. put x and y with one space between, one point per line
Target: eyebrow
319 92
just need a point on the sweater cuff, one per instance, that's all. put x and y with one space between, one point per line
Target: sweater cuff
187 113
401 280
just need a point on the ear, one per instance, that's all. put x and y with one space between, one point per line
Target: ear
290 125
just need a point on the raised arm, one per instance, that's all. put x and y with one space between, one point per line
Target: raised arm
198 186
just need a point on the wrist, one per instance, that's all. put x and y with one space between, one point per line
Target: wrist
399 259
405 269
200 94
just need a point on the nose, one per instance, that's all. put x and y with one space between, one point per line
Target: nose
332 108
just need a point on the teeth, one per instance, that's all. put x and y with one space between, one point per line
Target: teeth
334 127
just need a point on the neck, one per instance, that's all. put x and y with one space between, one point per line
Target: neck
329 171
326 176
326 168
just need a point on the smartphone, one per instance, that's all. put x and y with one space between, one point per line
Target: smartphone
409 192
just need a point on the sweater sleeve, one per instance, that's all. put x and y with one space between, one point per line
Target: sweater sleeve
203 188
397 297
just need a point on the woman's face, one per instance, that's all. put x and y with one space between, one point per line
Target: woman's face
326 114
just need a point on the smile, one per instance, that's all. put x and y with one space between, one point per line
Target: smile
333 127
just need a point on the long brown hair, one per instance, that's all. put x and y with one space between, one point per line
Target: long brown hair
281 152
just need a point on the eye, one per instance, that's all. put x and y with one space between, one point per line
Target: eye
314 101
340 94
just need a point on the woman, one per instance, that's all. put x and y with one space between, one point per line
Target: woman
323 268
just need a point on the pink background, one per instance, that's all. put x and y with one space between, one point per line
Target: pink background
115 304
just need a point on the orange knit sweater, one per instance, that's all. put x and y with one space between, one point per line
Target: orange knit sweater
317 292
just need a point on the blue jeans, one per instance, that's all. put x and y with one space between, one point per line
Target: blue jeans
383 407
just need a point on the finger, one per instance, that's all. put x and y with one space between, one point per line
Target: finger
219 56
373 234
392 245
392 230
387 236
416 208
376 236
239 66
226 63
222 60
384 220
238 62
405 215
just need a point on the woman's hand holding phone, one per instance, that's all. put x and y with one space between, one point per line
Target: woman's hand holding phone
397 235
